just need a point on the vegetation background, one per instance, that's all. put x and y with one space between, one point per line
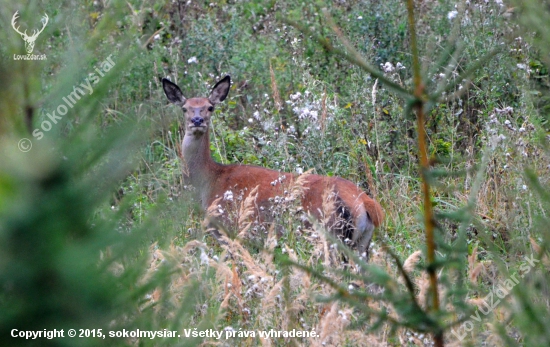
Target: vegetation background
96 230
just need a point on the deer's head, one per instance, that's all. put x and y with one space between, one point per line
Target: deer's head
197 111
29 40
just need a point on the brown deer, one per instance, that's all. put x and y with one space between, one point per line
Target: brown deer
354 216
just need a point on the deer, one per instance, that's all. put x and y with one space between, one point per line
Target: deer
29 40
355 214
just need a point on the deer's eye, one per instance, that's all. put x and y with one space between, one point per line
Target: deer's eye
211 108
184 110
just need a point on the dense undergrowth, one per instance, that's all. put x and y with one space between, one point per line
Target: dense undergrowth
97 230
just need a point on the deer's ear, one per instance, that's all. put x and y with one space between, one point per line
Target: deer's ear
173 92
220 90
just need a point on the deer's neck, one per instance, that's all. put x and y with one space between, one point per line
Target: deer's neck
199 168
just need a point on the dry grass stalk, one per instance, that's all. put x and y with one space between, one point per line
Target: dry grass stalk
212 212
359 338
370 181
223 272
411 261
269 247
423 283
253 267
182 266
477 302
236 287
298 278
192 245
538 250
329 220
323 110
409 265
378 160
226 295
246 211
474 267
272 296
331 326
475 273
329 207
156 258
472 258
299 186
325 250
536 247
233 288
266 342
275 90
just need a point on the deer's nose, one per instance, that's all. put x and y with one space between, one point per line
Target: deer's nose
197 121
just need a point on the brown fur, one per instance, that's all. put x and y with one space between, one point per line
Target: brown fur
237 177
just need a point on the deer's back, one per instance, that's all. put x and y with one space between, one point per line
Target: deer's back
242 179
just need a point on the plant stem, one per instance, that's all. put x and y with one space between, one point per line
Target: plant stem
424 168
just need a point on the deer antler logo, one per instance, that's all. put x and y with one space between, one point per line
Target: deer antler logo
29 40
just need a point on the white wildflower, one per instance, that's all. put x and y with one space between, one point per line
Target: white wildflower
228 195
507 109
204 258
388 67
313 114
296 96
451 15
192 60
